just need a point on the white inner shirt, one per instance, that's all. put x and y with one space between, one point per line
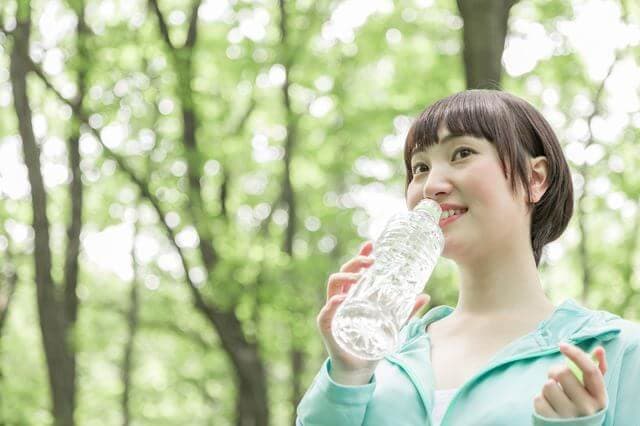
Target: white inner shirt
442 399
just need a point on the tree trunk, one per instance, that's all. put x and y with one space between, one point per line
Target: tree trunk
288 197
251 400
251 407
52 322
132 327
484 33
585 171
7 290
297 369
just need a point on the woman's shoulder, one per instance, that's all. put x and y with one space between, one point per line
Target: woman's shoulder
629 330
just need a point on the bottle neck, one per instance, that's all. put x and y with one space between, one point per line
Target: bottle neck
430 209
428 215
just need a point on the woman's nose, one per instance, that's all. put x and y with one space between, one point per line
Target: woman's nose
436 184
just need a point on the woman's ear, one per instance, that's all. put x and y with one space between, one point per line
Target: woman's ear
538 182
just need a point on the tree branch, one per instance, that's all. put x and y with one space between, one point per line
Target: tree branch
190 335
233 128
11 276
243 354
288 195
227 324
164 30
142 185
193 26
40 73
224 191
155 324
59 352
132 329
584 171
76 188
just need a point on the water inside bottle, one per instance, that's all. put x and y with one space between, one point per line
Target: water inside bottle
369 320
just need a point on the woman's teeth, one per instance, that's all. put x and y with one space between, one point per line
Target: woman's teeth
449 213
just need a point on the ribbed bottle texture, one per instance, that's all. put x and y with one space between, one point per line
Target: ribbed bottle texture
406 252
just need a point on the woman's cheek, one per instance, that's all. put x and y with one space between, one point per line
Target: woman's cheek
487 191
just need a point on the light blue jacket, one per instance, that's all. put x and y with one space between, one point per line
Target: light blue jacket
501 394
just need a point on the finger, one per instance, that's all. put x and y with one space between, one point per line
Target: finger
327 312
592 377
543 408
580 399
366 249
347 286
600 355
338 280
357 263
557 399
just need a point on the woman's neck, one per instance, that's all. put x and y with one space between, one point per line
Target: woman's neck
497 287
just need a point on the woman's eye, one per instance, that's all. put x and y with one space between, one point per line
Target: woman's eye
416 168
462 150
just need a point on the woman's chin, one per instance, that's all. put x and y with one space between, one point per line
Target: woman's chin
451 250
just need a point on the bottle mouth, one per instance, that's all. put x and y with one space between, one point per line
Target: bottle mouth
430 207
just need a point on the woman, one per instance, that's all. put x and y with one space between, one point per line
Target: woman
499 358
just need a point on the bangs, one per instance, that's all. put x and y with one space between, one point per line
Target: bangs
467 113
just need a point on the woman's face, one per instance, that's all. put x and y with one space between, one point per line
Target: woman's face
466 171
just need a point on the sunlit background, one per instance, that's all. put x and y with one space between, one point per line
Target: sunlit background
528 44
362 71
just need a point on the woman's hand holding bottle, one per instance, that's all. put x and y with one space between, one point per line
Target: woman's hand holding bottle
346 368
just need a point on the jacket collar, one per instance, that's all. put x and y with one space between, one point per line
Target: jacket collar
569 322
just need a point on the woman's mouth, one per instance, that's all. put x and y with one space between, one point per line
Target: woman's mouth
449 216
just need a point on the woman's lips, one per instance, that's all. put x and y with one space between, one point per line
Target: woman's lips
444 222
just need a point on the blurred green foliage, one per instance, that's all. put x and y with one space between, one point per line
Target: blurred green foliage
355 84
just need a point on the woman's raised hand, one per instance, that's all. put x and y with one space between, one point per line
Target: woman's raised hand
346 368
570 395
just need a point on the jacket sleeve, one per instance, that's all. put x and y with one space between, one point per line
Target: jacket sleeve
596 419
627 404
329 403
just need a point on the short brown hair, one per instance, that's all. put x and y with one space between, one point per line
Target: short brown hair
519 132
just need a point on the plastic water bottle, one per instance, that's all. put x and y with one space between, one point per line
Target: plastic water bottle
367 322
